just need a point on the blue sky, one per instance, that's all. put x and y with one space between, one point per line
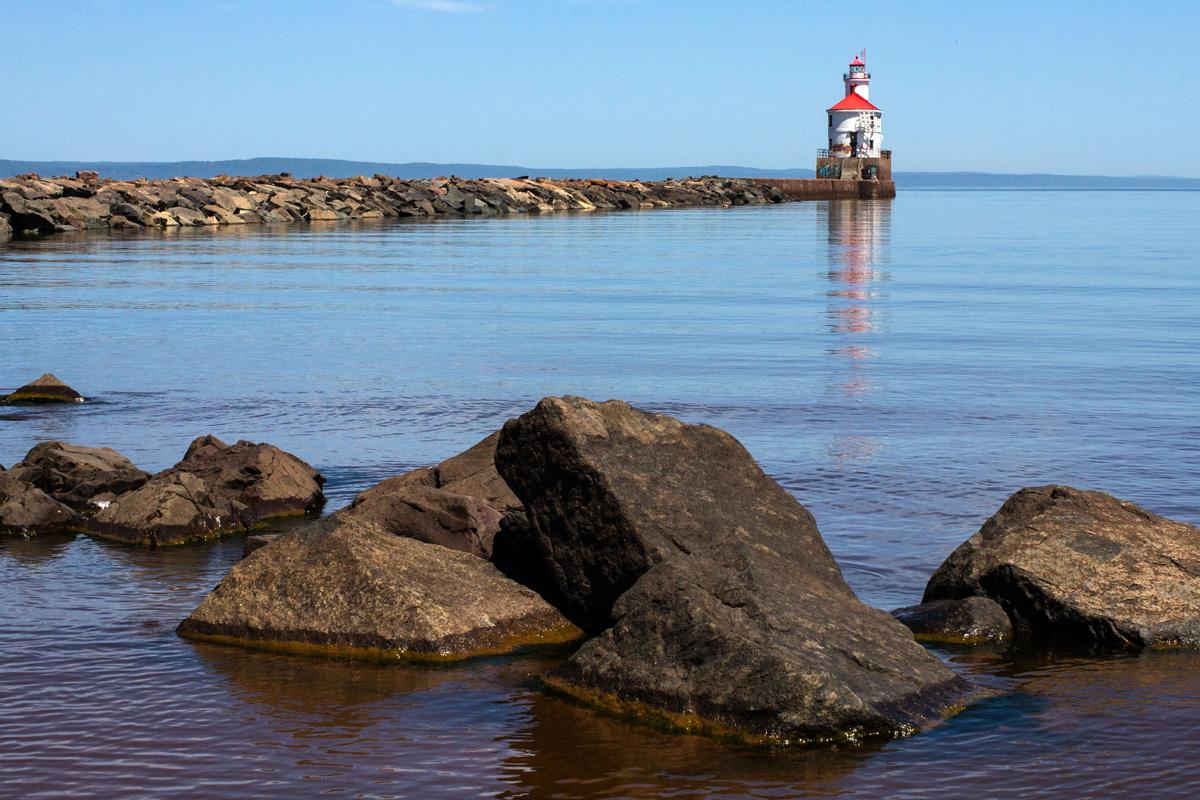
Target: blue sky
1072 87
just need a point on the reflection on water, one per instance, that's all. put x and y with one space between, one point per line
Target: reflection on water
900 366
858 240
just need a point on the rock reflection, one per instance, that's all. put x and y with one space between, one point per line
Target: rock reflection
571 751
342 691
36 549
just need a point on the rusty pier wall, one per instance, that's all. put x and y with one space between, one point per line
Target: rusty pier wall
829 188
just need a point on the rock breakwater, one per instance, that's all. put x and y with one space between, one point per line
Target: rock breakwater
31 205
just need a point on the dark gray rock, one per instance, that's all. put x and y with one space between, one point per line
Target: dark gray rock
732 617
1069 564
26 509
969 620
74 475
347 587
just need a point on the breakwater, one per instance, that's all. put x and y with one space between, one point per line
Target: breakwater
31 205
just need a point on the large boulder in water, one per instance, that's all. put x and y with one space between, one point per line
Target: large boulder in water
721 608
215 488
46 389
1081 565
74 475
345 586
26 509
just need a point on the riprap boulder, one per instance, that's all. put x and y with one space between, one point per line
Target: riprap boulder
73 474
718 605
1070 564
346 586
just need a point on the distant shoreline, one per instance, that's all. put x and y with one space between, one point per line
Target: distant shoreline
341 168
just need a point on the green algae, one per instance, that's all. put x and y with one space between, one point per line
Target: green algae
508 645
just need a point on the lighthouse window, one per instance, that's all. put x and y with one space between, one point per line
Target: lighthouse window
831 120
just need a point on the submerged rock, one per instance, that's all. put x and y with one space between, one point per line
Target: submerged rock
721 609
969 620
46 389
346 586
74 475
1066 563
26 509
215 488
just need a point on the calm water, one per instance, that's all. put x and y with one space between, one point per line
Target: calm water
900 366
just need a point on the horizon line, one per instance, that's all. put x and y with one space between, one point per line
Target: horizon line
534 170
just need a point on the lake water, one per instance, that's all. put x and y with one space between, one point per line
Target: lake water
900 366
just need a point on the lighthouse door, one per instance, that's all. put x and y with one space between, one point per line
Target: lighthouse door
854 143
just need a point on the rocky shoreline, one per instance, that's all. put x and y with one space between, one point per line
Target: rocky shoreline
694 591
32 206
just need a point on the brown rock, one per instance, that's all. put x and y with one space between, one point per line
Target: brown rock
28 215
428 514
81 212
74 475
230 200
458 503
186 216
473 472
46 389
1069 564
214 489
347 587
26 509
169 509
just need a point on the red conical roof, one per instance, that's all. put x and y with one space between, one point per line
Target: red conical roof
858 62
853 102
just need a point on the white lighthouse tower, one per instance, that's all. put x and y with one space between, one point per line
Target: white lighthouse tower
855 124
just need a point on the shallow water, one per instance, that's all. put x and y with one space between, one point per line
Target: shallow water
900 366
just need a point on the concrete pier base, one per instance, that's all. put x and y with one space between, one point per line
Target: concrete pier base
829 188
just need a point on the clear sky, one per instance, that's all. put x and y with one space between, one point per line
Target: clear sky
1072 87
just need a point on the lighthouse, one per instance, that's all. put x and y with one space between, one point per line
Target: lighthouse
855 131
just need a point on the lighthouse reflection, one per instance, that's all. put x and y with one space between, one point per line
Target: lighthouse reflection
858 236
